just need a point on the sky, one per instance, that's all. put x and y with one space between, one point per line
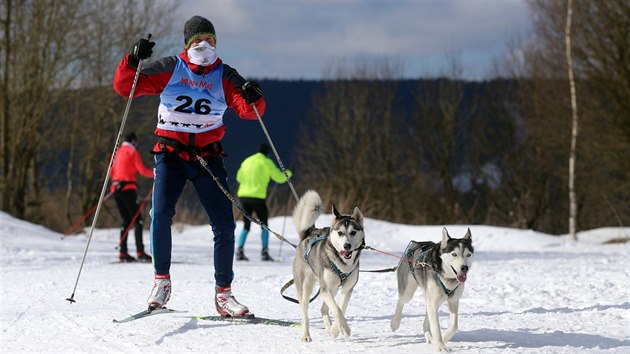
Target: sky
282 39
526 292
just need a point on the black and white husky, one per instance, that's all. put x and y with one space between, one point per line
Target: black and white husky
440 269
328 256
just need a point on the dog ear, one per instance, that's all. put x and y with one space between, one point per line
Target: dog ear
445 238
357 215
335 211
468 235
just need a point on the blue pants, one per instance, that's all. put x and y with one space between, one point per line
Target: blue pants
171 175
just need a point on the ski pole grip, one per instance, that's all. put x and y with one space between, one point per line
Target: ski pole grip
149 36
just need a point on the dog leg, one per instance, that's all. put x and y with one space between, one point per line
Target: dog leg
434 324
395 323
426 327
340 323
404 296
325 316
304 291
453 307
345 300
325 311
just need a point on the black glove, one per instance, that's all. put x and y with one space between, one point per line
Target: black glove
141 50
252 92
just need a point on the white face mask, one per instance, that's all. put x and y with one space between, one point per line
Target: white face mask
202 54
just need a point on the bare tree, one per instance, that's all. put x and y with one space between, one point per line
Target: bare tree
574 120
350 150
38 70
58 61
438 141
600 46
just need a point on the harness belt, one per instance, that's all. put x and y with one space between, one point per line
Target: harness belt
215 149
120 184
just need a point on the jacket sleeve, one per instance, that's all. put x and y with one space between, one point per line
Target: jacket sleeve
232 83
239 174
151 81
140 167
275 173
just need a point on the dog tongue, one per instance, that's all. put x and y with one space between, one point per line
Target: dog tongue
461 278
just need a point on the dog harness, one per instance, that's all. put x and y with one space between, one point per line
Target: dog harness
342 276
322 236
422 257
447 291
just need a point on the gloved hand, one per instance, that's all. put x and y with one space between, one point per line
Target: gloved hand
252 92
141 50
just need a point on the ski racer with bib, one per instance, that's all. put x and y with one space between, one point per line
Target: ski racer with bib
195 89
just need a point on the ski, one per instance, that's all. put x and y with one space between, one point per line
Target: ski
250 320
147 313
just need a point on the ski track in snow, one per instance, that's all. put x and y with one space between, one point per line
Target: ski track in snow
527 292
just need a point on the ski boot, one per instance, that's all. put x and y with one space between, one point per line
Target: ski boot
264 255
143 257
124 257
161 292
227 306
240 255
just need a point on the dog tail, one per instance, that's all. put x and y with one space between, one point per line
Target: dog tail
306 212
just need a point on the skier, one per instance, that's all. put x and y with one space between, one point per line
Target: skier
127 164
195 89
253 176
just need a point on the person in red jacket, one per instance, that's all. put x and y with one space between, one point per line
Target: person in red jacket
195 89
127 164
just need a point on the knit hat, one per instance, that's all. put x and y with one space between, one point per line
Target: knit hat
264 149
131 137
196 26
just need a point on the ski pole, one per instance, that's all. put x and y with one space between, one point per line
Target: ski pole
75 225
135 216
273 147
109 170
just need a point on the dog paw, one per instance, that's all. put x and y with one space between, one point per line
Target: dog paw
394 324
306 339
345 330
447 336
334 330
442 347
427 337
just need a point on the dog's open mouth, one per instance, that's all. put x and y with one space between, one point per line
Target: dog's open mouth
345 254
461 277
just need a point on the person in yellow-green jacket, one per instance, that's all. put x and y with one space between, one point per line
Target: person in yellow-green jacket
253 176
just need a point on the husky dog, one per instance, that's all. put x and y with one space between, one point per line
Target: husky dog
328 256
440 269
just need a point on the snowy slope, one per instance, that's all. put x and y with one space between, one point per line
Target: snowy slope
526 293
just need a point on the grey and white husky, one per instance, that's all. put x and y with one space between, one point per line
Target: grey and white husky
328 256
440 269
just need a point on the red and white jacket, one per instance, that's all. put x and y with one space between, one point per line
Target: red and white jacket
127 164
154 77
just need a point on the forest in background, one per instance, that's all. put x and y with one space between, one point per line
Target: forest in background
427 151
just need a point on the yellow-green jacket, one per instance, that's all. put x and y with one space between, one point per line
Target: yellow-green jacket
255 174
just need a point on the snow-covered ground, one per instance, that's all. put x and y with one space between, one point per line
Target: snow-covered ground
527 292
